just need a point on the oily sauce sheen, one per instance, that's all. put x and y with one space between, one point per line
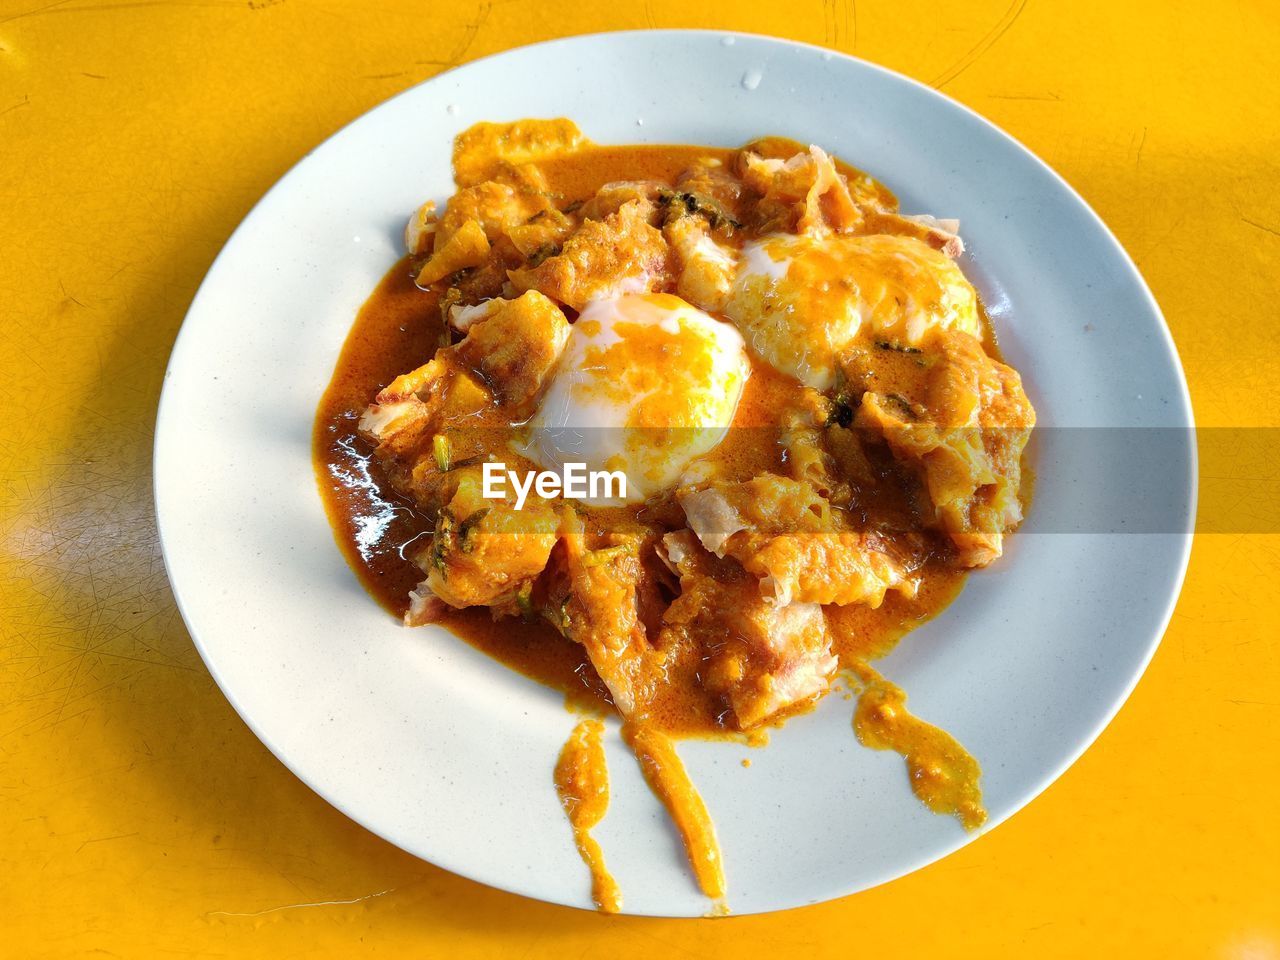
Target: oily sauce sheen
400 328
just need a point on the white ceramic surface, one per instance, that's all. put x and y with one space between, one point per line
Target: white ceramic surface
447 753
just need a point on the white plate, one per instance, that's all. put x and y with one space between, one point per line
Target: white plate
449 755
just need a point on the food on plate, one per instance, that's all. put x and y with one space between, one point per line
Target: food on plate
692 434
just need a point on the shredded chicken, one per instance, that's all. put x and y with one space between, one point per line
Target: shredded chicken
605 258
762 657
965 428
597 605
805 193
610 198
706 268
782 531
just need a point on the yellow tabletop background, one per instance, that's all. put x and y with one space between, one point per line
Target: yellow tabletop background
140 817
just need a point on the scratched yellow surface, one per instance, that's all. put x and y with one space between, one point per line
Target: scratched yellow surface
139 817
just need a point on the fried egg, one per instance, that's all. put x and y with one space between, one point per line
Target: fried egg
800 300
646 384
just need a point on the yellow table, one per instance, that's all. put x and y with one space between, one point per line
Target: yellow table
139 817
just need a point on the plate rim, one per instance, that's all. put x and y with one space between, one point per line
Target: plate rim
911 865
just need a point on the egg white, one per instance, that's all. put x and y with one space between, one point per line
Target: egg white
647 383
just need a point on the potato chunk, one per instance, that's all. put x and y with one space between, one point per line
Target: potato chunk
514 347
500 365
484 551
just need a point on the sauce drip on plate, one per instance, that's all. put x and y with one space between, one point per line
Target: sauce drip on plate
582 781
667 777
943 774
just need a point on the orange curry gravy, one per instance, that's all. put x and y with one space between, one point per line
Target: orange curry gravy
400 328
943 774
582 781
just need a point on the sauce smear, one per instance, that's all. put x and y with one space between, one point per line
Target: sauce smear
582 781
943 774
667 778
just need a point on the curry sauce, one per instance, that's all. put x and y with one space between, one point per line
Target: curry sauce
582 782
943 774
